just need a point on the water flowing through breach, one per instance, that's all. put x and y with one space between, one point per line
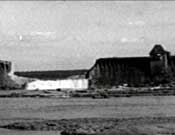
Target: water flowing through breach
62 84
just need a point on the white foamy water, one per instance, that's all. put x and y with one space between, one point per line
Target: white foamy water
62 84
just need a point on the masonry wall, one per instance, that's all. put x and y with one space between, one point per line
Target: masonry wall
5 79
172 67
5 67
111 72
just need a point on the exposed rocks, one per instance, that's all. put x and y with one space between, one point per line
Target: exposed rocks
6 83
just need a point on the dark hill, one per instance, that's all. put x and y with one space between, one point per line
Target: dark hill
51 75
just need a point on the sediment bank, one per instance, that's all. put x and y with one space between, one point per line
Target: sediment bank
101 126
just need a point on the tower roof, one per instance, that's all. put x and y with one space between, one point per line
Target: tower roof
158 49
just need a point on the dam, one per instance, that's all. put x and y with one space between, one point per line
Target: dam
157 68
153 70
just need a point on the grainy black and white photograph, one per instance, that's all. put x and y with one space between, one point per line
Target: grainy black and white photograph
87 67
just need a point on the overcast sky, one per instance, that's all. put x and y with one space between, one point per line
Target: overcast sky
60 35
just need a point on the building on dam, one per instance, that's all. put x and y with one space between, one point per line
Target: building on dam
158 67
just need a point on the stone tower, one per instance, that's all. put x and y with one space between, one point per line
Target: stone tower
159 60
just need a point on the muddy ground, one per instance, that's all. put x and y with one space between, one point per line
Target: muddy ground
150 115
102 126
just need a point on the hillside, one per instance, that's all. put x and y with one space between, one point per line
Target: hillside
52 75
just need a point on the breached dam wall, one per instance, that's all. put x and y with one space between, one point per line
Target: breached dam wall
6 73
109 72
5 67
62 84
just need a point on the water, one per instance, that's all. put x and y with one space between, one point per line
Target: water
19 109
62 84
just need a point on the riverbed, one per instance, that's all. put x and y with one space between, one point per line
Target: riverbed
26 109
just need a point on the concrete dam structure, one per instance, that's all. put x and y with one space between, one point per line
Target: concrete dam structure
5 67
5 76
153 70
158 68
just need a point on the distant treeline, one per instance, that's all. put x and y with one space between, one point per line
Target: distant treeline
51 75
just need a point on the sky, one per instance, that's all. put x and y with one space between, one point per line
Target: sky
64 35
